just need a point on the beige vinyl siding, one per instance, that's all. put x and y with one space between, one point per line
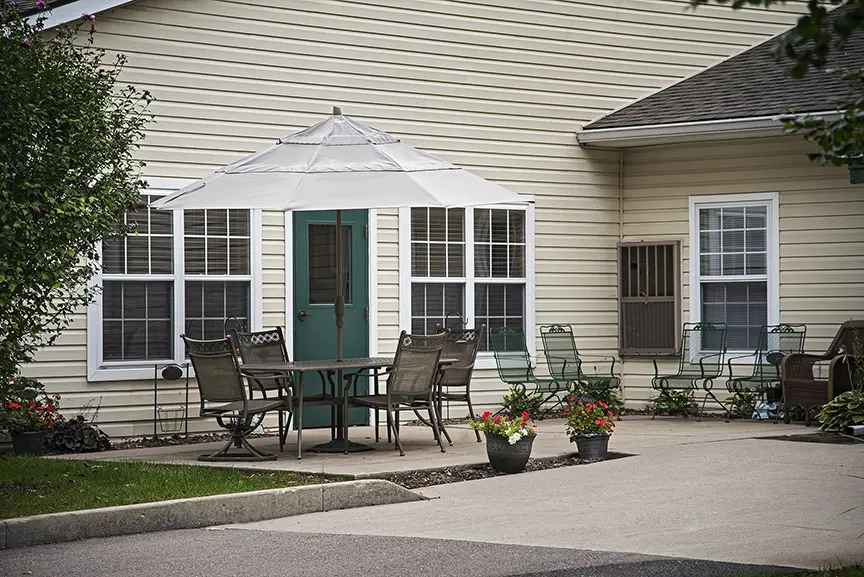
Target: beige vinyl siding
498 87
821 227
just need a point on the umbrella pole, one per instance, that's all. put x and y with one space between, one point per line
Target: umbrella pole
340 298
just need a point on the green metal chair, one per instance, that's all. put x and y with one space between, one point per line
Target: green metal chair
567 366
515 369
703 347
775 343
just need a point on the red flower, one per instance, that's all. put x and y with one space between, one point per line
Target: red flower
496 420
32 405
525 415
598 422
486 416
602 404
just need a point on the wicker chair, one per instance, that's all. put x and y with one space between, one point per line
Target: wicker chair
775 342
224 397
566 366
807 388
703 347
266 347
515 369
410 385
455 385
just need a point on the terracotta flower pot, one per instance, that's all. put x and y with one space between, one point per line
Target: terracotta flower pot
508 458
592 447
28 442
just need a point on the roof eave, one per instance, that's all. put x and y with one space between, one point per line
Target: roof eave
71 12
684 132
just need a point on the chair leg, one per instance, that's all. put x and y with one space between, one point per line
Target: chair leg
472 415
238 439
435 420
281 426
395 427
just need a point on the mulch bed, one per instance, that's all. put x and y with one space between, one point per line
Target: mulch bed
174 440
457 474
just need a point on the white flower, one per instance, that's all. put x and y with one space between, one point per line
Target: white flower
514 438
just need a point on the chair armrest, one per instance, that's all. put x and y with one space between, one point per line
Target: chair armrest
730 359
800 366
702 361
597 360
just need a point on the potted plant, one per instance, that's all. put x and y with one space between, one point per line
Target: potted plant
508 440
27 414
589 425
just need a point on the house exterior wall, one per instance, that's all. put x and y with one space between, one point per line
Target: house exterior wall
498 87
821 227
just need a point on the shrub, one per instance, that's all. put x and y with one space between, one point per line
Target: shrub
518 401
77 435
673 402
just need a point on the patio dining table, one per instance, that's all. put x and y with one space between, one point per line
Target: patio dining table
326 368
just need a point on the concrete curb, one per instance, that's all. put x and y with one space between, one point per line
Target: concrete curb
200 512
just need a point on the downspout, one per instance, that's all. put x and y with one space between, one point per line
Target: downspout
620 195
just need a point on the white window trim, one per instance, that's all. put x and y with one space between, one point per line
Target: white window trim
485 360
99 371
769 199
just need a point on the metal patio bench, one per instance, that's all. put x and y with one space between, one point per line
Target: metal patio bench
703 347
567 366
516 369
775 342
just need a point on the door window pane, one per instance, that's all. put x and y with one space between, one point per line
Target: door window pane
322 263
136 320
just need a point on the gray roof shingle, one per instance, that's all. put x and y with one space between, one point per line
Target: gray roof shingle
748 85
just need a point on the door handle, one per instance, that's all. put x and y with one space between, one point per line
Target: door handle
301 315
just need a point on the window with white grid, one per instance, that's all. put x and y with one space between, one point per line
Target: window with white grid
470 262
734 245
175 273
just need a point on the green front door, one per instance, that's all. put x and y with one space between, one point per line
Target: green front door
315 291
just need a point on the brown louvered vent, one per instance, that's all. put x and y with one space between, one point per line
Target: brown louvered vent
649 287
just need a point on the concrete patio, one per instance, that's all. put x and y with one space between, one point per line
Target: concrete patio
633 435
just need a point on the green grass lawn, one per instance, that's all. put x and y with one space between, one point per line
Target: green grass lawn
33 486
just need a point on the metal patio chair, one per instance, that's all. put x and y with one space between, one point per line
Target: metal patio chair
802 378
266 347
775 342
455 385
224 396
516 370
567 366
411 385
703 347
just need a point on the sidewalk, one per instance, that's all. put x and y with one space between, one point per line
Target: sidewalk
705 490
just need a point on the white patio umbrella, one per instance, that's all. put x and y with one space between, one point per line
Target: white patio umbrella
338 164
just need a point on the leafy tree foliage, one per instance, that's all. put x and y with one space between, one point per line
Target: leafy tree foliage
808 45
67 174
